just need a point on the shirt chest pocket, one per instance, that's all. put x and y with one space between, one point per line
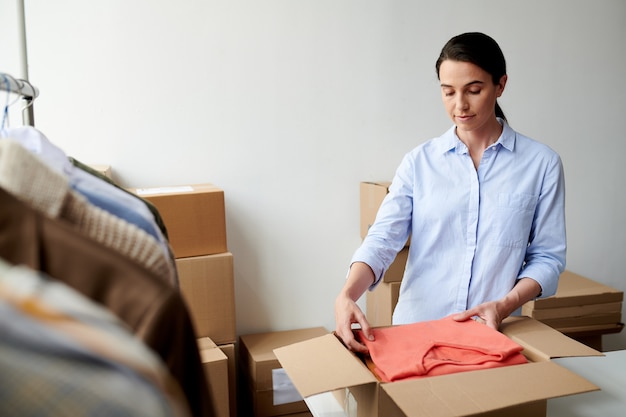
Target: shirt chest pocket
512 219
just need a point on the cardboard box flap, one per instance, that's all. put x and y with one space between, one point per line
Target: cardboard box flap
209 351
205 343
542 342
322 364
470 393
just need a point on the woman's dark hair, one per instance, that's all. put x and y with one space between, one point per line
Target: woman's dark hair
480 50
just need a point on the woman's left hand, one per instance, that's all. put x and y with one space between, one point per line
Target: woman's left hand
492 313
486 313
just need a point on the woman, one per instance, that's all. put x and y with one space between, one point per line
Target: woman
483 204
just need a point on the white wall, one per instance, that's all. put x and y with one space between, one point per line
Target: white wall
288 104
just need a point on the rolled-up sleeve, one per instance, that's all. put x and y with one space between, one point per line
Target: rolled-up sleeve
546 252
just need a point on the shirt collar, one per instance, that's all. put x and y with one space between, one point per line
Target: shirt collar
507 138
450 141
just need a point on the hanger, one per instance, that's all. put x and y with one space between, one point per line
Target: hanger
5 110
23 89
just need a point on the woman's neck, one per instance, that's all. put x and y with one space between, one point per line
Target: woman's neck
481 138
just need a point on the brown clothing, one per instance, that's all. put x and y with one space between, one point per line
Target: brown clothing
29 179
153 309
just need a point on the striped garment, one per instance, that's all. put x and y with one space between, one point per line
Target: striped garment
63 355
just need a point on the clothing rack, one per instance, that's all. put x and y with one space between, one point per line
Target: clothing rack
23 88
20 86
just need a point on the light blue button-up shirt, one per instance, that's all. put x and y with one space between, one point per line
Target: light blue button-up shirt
474 233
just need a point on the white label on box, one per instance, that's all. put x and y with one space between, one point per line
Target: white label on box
164 190
284 390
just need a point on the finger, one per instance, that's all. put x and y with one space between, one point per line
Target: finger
356 346
366 332
366 329
465 315
350 341
346 337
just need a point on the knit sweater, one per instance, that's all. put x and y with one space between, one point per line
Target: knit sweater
438 347
29 179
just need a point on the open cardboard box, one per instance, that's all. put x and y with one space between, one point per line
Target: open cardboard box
323 364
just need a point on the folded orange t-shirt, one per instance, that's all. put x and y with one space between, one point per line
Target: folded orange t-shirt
438 347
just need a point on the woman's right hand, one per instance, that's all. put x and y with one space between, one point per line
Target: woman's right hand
347 312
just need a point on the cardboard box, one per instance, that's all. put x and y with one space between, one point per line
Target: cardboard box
591 330
215 366
324 364
379 304
591 335
263 372
264 404
588 320
372 195
589 310
395 273
576 290
229 351
194 216
208 287
581 308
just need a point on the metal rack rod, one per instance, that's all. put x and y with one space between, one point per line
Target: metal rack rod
18 86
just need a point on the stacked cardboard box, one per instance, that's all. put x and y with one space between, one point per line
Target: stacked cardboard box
207 284
372 195
267 390
216 370
581 308
379 304
194 216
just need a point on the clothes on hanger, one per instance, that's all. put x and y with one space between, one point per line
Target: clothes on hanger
158 220
30 179
151 307
151 207
62 353
99 190
438 347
